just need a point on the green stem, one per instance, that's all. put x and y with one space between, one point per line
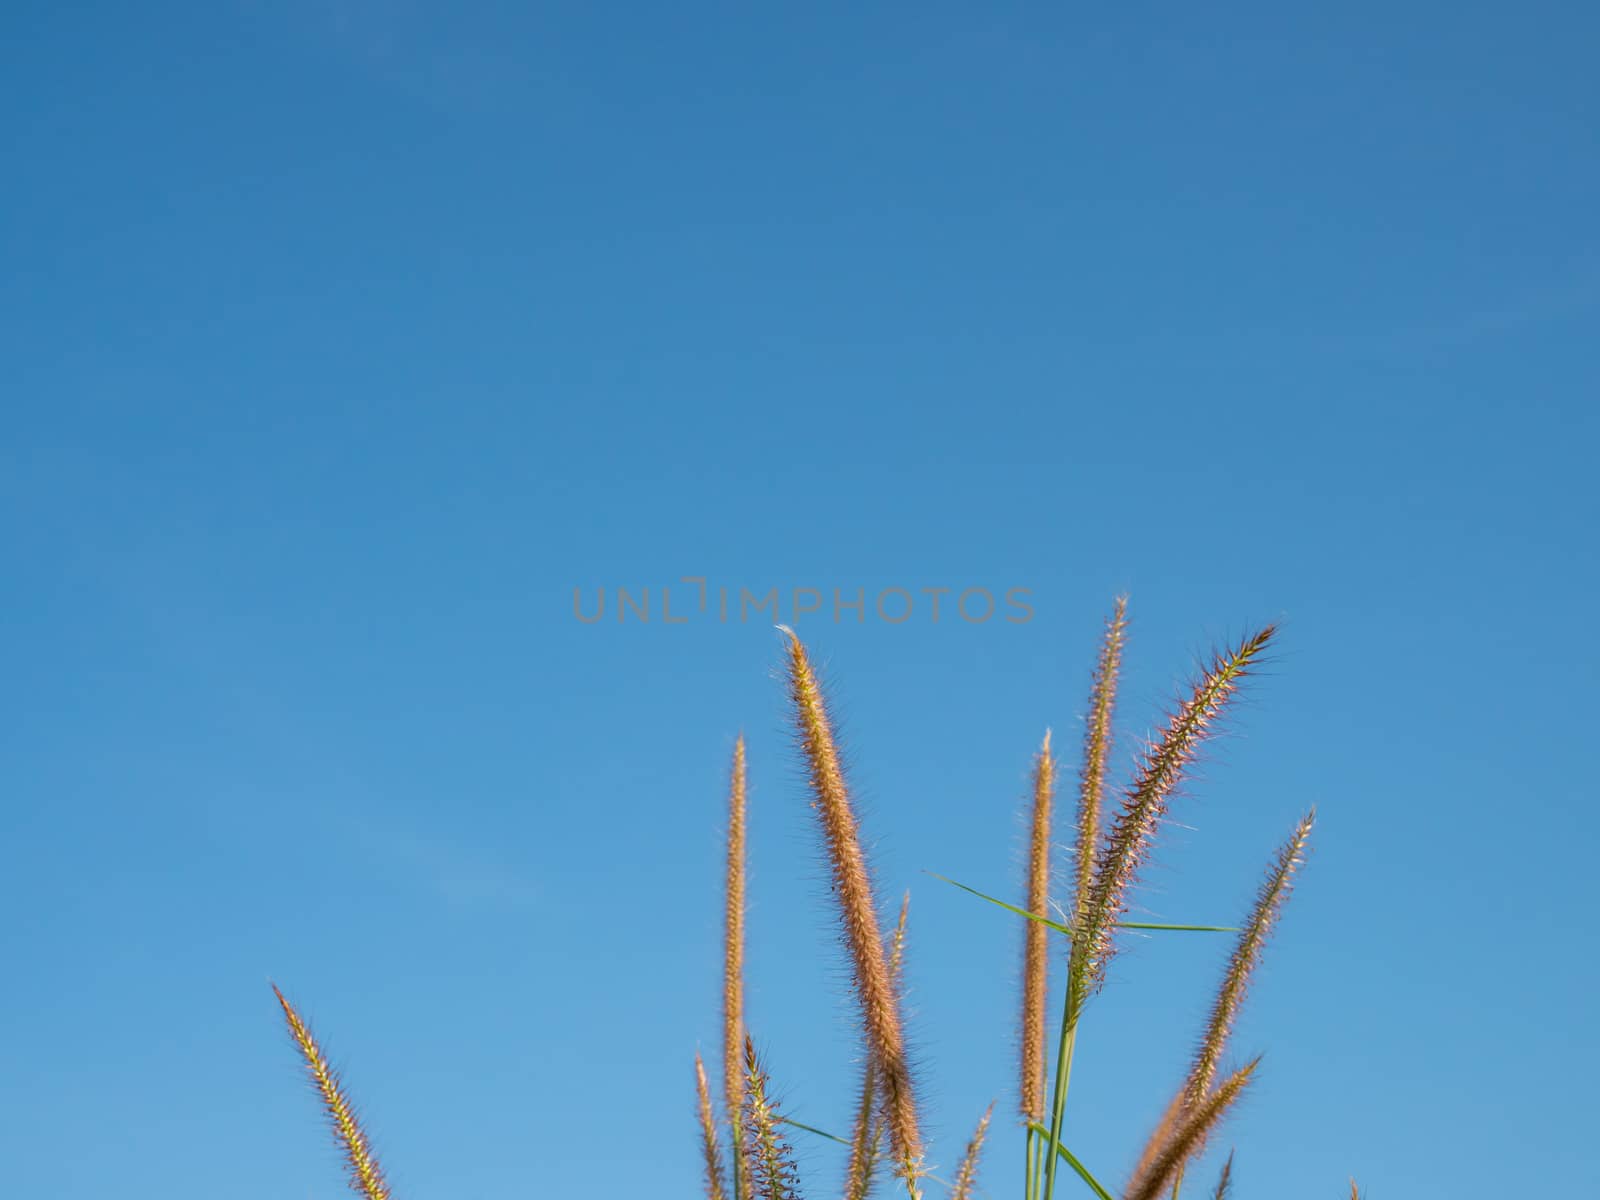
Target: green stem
1069 1038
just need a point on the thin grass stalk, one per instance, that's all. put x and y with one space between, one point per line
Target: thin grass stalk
874 986
1036 941
711 1144
769 1160
1187 1135
366 1175
1270 898
1096 754
967 1172
733 969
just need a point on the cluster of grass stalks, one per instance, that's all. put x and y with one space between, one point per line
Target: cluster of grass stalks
747 1153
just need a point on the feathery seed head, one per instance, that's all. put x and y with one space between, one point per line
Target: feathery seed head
967 1173
366 1176
1132 832
1174 1145
1036 939
1096 753
733 962
1224 1180
710 1145
769 1161
871 975
1274 890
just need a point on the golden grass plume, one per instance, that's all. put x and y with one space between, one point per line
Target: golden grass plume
1036 940
710 1143
366 1176
858 914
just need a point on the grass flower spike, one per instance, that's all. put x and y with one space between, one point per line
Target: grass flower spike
708 1132
1036 943
1185 1137
1246 954
874 986
733 968
1096 753
967 1173
366 1176
768 1159
1131 834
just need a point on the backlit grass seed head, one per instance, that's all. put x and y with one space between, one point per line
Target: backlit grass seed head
1096 753
866 1135
858 915
967 1174
1132 832
1224 1180
1185 1136
366 1176
1274 890
733 963
1036 940
710 1143
768 1159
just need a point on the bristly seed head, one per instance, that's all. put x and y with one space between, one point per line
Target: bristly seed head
874 983
1274 891
1036 940
711 1146
733 966
1145 802
366 1176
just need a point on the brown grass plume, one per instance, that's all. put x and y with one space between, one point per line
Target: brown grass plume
711 1144
852 885
1096 753
1036 939
733 966
1128 842
967 1173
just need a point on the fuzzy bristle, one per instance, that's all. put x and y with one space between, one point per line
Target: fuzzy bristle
733 966
711 1145
366 1176
874 986
1128 842
1036 940
1096 753
1274 890
967 1173
768 1158
1174 1145
1224 1180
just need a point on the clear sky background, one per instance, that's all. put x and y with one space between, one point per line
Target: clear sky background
340 342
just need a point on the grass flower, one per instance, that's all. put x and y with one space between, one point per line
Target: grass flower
1096 753
967 1172
1179 1141
366 1176
733 967
852 885
711 1143
1036 940
769 1161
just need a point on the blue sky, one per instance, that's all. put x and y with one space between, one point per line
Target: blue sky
341 342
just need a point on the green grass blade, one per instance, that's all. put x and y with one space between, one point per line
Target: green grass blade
1062 929
822 1133
1071 1160
1021 912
